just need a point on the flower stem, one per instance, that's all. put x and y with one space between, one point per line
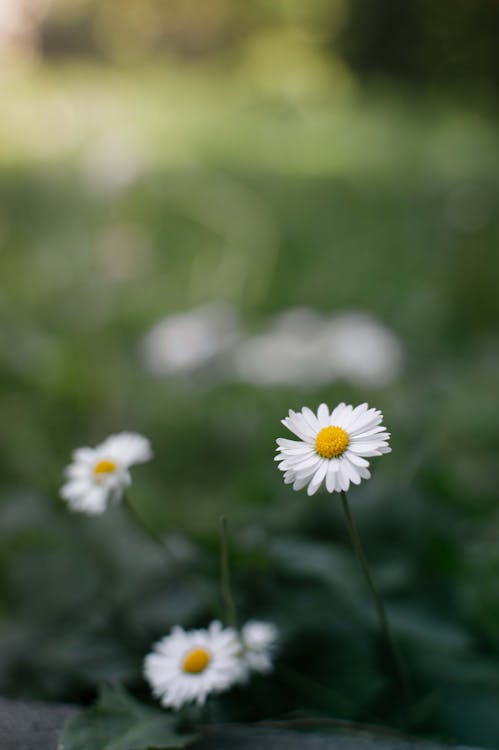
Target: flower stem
230 608
139 523
383 619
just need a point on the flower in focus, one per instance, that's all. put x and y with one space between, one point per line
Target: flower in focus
186 666
99 475
333 446
259 640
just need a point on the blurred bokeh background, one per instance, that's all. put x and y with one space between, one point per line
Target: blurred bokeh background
212 212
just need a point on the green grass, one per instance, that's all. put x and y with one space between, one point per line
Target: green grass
373 201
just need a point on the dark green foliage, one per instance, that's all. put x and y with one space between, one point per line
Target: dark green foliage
118 722
385 205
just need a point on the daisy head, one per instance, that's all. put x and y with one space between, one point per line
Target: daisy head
99 475
186 666
333 447
259 640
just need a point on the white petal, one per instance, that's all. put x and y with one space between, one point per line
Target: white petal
355 416
285 443
318 478
300 483
355 459
345 416
93 502
364 473
337 412
85 455
79 471
75 489
370 433
127 447
367 421
299 427
309 471
351 471
385 449
323 415
365 449
331 476
301 449
296 453
343 480
299 465
311 419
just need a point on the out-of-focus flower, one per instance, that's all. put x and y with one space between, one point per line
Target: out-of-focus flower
284 354
259 641
302 347
333 446
184 343
361 350
20 22
112 165
186 666
100 475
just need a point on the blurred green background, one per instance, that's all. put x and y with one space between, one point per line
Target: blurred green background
310 189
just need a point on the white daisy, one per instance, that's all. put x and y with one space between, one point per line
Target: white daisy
333 446
99 475
186 666
259 640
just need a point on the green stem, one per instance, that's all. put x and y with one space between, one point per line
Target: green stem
230 608
139 523
383 619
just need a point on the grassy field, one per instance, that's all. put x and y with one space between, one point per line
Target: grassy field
126 196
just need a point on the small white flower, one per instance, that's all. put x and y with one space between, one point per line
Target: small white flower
333 446
99 475
186 666
259 641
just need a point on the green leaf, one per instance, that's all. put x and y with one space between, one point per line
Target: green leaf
119 722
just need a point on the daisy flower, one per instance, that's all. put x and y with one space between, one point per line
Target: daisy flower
333 446
259 640
186 666
99 475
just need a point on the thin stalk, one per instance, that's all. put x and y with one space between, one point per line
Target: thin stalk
139 523
383 619
230 608
151 536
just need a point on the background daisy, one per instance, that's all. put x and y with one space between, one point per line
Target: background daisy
259 640
99 475
333 446
186 666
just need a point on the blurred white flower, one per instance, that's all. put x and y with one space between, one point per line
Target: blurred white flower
361 350
100 475
112 164
20 22
186 666
333 446
183 343
301 347
259 641
285 354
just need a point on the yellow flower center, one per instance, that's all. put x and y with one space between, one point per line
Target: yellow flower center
196 661
105 467
331 442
